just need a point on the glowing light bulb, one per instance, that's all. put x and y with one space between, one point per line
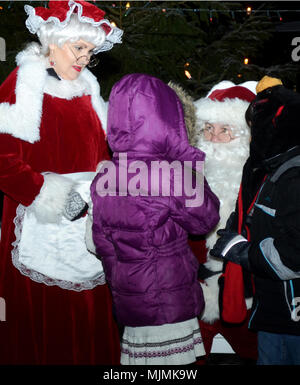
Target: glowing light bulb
187 74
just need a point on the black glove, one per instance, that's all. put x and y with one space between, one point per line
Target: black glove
231 221
232 224
75 206
232 247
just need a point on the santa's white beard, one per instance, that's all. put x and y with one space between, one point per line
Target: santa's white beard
223 170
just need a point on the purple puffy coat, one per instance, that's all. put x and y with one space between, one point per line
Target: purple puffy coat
142 240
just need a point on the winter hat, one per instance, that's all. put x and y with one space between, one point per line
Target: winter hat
274 117
267 82
59 13
227 103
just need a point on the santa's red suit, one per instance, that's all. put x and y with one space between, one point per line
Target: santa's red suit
226 103
49 125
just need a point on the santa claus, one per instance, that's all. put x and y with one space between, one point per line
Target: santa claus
224 137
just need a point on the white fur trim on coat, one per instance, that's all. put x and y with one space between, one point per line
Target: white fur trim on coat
210 289
48 206
22 119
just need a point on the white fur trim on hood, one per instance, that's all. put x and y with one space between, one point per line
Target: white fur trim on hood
22 119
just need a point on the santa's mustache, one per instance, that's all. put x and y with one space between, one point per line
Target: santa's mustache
218 151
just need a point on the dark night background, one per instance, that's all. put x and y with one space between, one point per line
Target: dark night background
208 39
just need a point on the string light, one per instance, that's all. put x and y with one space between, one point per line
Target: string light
249 9
187 74
246 61
113 23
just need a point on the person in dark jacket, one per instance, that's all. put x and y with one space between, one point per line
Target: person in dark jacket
269 245
141 235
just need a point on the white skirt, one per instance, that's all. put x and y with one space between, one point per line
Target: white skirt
170 344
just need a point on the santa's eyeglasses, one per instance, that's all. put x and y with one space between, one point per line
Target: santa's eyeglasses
224 135
89 60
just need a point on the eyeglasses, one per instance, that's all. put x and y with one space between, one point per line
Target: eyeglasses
225 134
88 60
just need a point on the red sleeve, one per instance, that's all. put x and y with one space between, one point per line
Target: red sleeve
17 179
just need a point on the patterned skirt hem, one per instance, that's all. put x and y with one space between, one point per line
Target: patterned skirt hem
174 350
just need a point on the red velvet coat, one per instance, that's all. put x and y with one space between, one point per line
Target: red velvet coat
61 134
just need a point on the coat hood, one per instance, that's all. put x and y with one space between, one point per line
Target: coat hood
274 120
146 120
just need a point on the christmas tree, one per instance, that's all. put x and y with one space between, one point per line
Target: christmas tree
192 43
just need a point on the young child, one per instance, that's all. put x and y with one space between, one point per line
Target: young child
141 238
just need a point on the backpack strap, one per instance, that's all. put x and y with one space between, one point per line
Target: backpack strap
293 162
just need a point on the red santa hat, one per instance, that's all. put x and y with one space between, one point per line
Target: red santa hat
59 13
226 103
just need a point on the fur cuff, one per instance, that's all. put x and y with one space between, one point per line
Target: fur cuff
89 242
48 206
89 236
210 289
